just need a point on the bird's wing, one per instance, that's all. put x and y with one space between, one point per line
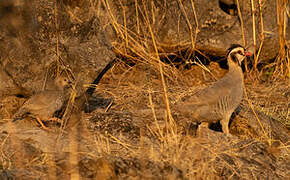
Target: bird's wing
209 95
41 100
183 94
199 106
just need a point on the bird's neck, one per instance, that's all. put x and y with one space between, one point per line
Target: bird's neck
235 70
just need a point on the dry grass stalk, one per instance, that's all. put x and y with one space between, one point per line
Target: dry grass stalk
262 33
188 23
254 30
242 22
159 133
73 153
137 17
242 29
16 144
282 61
112 18
52 174
57 37
287 63
125 24
196 24
172 124
5 160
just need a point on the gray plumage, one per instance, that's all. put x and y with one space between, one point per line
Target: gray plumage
218 101
43 105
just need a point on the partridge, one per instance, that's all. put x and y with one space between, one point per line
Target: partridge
218 101
43 105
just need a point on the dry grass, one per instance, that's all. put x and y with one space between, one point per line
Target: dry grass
282 61
152 84
147 85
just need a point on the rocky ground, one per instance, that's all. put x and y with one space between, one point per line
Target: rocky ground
128 136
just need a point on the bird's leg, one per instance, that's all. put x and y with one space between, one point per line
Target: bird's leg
41 123
54 119
225 125
201 128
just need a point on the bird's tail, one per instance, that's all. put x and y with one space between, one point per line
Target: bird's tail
16 119
19 114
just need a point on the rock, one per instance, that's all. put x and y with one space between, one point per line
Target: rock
247 125
98 169
7 86
114 123
85 39
173 23
84 45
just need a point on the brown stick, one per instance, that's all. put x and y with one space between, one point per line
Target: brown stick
254 32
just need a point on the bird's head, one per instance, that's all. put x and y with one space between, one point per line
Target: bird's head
237 54
63 82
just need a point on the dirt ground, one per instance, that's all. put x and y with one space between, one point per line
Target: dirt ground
124 141
129 135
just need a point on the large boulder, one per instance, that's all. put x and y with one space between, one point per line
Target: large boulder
85 33
207 24
29 36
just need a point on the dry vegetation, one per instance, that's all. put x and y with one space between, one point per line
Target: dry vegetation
132 139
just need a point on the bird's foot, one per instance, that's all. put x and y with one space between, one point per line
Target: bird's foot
42 125
50 119
58 120
202 128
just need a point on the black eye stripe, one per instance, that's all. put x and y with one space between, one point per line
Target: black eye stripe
234 58
239 52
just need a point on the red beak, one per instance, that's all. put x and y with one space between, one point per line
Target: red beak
247 53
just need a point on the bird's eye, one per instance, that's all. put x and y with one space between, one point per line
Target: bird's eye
241 52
